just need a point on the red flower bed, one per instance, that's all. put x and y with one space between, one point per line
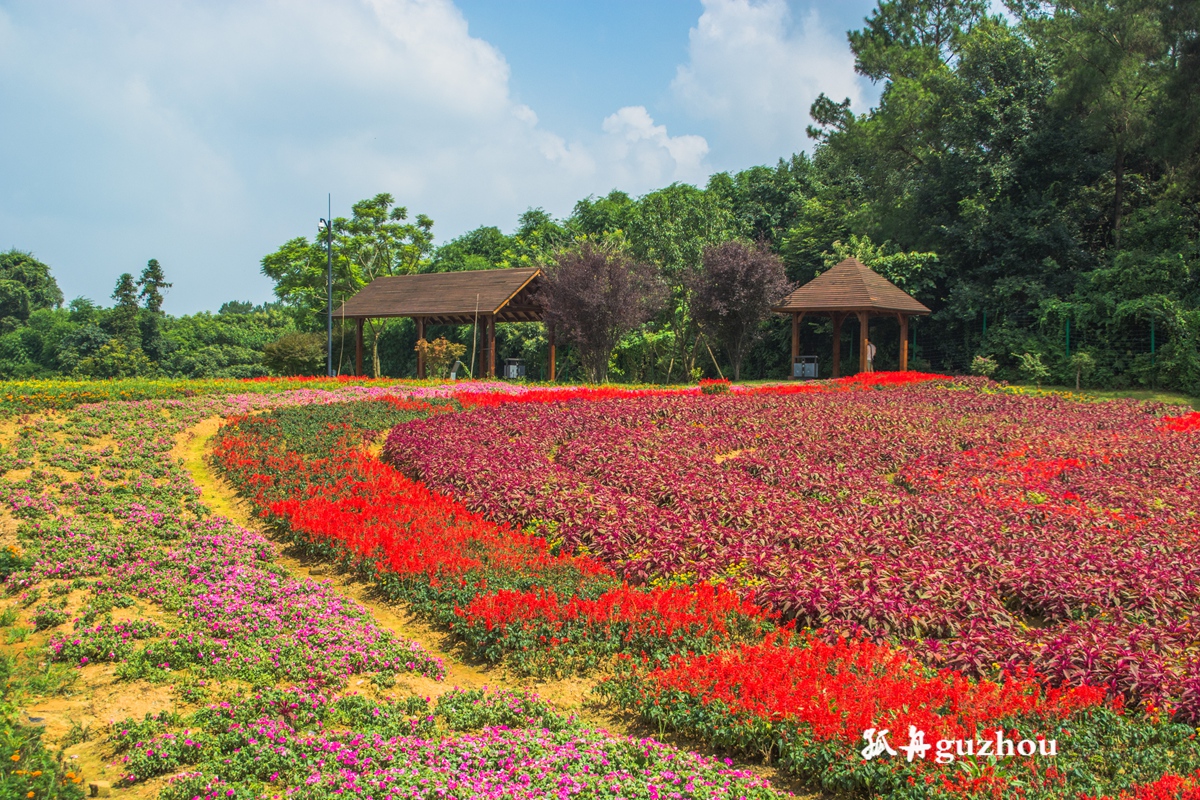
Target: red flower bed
1188 422
498 586
840 689
810 704
1169 787
657 623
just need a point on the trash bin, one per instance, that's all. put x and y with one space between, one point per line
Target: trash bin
804 367
514 368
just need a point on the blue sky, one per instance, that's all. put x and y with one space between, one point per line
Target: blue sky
205 133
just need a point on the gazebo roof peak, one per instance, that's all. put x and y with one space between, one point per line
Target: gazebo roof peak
851 286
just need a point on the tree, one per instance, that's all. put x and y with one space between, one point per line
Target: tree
602 216
440 354
482 248
984 366
766 202
910 38
1109 59
296 354
733 294
535 240
377 241
151 285
593 294
84 340
1178 134
26 285
123 318
114 359
224 345
1083 363
670 230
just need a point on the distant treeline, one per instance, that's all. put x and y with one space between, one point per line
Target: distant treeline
40 338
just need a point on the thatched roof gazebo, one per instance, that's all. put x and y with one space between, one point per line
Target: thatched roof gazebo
451 298
851 288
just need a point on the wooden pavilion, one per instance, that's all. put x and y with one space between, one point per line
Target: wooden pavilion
851 288
488 296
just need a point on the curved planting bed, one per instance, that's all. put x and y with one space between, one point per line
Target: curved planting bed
532 510
985 531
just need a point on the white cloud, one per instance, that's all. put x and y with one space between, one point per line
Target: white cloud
205 134
755 73
636 144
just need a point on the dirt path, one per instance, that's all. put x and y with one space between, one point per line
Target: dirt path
572 695
569 694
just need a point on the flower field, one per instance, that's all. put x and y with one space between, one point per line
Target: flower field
926 554
115 570
984 531
565 539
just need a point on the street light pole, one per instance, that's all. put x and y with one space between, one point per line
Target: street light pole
327 223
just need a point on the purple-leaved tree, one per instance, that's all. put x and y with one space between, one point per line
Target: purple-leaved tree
593 294
733 293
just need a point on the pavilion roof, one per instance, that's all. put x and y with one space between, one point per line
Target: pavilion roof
851 286
450 298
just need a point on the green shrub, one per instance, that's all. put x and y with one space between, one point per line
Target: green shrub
983 365
1032 368
296 354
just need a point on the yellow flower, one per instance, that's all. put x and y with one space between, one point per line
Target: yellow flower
36 772
16 756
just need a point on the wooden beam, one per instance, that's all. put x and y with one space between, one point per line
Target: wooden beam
903 342
863 340
420 353
358 346
837 344
491 346
795 343
550 336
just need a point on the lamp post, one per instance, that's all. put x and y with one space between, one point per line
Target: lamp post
327 227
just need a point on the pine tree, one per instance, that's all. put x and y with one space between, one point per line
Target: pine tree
123 318
152 283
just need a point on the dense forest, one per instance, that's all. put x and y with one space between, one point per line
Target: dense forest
1032 177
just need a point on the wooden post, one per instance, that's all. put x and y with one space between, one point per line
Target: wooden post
863 340
795 343
358 346
550 336
904 342
491 345
420 354
837 344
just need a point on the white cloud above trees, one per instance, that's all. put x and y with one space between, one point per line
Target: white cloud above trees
754 71
205 133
